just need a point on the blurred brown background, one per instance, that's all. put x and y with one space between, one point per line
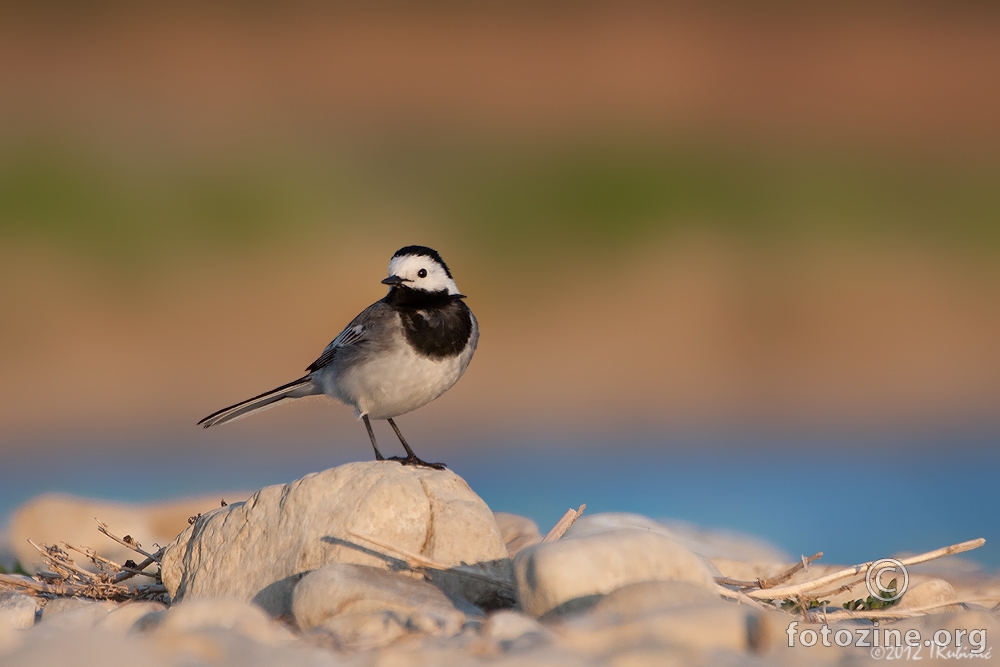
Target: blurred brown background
670 216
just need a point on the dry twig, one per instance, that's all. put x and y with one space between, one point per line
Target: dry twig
773 581
19 581
419 562
739 597
68 579
782 592
127 541
122 572
567 520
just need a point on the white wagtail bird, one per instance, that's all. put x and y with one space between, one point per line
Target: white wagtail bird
399 354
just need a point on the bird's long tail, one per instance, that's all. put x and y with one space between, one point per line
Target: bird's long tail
302 387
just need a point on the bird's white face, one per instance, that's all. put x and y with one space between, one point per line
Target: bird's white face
422 273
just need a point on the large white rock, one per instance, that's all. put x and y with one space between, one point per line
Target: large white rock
364 607
573 572
258 550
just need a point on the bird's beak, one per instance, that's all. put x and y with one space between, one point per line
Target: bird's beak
395 281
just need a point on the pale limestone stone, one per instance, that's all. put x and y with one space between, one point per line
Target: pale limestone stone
509 630
724 544
66 613
729 553
10 640
17 610
659 656
361 606
698 628
647 597
975 585
438 654
605 522
575 571
55 518
80 647
518 531
97 647
258 550
362 631
126 617
926 593
224 614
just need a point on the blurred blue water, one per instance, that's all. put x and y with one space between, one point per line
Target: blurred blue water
853 503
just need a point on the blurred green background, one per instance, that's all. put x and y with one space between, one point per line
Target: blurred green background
525 199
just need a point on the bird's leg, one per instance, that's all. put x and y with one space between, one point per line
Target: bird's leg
399 434
371 434
411 458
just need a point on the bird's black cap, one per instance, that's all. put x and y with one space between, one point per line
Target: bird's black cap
423 251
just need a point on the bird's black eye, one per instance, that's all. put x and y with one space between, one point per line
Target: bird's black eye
422 273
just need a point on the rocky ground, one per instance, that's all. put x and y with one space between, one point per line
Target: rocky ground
380 564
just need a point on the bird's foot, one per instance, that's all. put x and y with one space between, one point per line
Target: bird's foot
414 461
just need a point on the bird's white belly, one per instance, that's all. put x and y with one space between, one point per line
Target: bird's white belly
393 384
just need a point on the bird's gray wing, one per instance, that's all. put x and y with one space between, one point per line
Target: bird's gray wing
358 331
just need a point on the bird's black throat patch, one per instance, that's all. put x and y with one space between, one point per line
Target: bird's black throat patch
437 324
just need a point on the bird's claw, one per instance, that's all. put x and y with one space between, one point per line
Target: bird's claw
414 461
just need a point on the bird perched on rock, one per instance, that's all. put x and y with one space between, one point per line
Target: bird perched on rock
399 354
